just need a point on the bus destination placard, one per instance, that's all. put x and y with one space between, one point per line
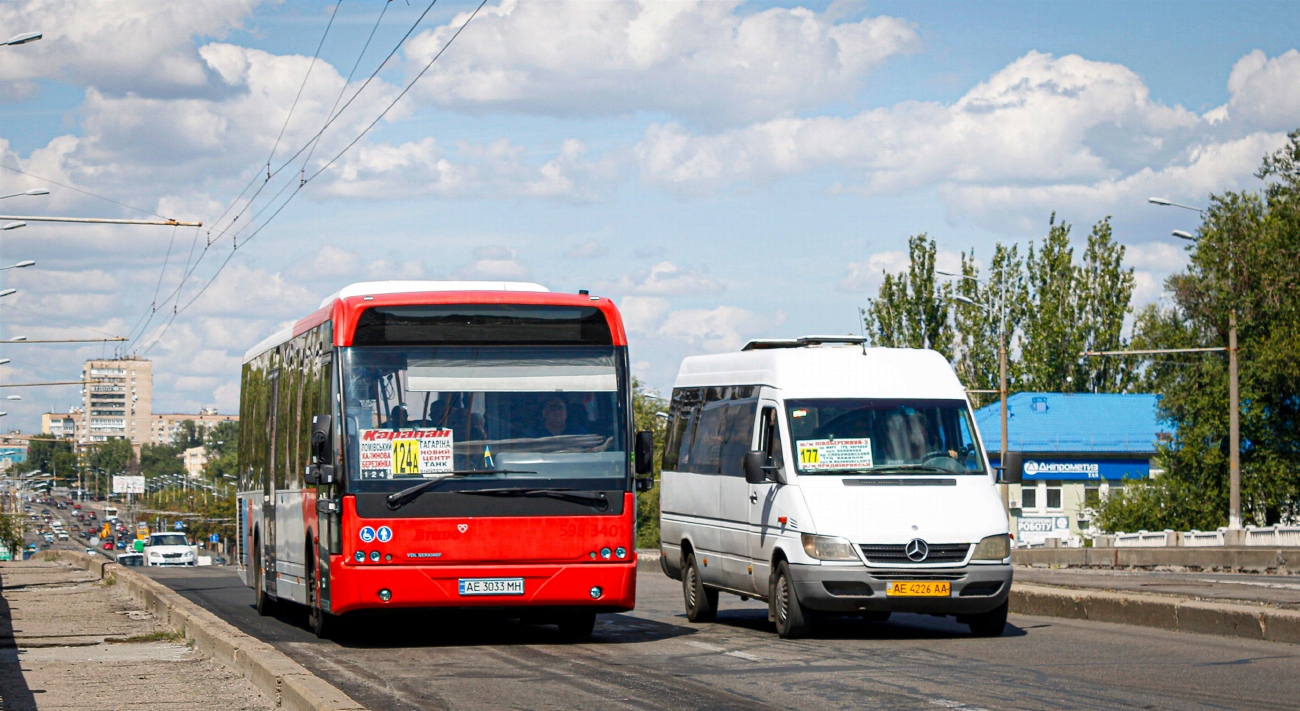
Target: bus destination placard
389 453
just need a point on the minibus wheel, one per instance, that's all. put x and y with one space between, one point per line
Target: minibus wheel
793 620
989 624
701 602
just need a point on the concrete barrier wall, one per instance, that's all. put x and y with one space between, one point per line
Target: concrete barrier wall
1236 560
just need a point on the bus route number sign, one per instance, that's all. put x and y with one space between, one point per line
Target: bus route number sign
389 453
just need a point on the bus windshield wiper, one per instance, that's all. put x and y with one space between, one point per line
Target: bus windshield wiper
597 499
405 496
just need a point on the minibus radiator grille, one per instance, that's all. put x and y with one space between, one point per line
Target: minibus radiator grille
897 554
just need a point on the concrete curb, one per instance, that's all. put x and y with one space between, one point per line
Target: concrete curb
1161 611
283 680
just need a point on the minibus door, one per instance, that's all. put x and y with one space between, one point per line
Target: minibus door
764 509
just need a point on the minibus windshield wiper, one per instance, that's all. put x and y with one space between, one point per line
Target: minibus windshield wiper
907 468
405 496
597 499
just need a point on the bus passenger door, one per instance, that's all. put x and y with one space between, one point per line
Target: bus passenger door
764 508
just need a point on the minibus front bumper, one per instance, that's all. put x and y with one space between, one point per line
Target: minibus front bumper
974 588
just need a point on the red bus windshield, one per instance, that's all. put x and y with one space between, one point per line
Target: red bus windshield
535 412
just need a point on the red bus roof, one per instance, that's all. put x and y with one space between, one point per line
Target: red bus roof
346 305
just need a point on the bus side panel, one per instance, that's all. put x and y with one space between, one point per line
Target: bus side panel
248 518
290 547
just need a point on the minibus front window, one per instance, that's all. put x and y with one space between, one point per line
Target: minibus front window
839 435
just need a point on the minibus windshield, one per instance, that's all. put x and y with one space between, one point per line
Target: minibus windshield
838 435
419 412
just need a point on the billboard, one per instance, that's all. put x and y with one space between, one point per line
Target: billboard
128 484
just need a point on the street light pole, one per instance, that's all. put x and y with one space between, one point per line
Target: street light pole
1003 489
1234 402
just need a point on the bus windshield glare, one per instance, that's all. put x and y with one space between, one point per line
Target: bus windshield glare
549 412
886 436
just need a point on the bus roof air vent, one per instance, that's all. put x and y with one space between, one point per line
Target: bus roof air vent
805 342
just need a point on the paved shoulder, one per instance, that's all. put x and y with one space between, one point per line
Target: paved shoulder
67 641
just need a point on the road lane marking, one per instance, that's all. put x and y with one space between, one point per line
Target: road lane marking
705 646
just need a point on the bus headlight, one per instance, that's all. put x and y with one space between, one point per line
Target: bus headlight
828 547
993 548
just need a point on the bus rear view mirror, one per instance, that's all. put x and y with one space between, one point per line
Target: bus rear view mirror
755 466
320 439
645 452
1012 469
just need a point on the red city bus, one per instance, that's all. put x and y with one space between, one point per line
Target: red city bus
442 444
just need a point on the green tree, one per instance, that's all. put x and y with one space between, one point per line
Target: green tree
113 456
222 441
41 452
161 460
1244 262
189 435
912 309
648 411
979 327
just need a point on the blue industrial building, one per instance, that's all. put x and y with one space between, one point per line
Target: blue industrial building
1076 446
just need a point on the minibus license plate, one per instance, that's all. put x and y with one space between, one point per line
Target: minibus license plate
491 586
918 588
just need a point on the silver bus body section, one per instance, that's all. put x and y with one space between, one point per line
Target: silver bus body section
248 518
856 588
290 571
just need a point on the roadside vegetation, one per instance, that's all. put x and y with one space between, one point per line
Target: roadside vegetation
1059 304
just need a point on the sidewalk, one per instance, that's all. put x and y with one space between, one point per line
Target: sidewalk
68 641
1277 591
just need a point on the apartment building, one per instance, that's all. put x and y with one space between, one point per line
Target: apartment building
119 404
59 424
165 427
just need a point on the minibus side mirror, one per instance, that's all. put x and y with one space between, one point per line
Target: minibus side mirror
1012 469
645 452
760 468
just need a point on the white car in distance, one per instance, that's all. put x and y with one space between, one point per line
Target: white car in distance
168 549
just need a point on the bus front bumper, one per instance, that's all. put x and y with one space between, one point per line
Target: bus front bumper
604 587
974 589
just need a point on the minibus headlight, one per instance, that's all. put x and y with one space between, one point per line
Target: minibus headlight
993 548
828 547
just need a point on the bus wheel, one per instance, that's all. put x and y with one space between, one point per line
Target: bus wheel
265 605
701 602
576 626
793 620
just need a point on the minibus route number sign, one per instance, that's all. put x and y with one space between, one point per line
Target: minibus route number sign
833 454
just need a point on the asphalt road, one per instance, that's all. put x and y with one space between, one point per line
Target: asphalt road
653 658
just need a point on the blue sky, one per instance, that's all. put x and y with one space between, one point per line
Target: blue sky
723 170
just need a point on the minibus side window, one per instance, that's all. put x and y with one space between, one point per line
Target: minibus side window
682 415
738 435
706 450
770 437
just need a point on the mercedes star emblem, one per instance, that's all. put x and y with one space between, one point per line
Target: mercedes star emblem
916 550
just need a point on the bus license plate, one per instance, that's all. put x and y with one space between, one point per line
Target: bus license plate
491 586
918 588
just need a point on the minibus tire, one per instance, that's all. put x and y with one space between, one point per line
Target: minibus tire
793 620
989 624
576 626
701 602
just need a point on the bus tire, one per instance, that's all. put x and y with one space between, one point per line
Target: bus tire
793 620
989 624
701 602
322 624
265 603
576 626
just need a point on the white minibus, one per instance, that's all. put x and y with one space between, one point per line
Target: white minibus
829 479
